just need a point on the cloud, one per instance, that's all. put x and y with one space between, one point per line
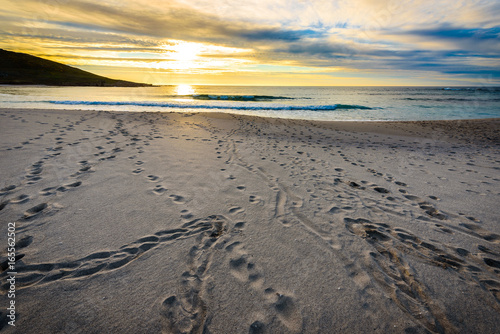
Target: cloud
459 33
173 22
355 35
453 38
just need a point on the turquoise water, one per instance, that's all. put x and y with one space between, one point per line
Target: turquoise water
312 103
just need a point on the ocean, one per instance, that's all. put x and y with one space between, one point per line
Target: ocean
310 103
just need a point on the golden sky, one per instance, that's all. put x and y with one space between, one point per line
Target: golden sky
264 42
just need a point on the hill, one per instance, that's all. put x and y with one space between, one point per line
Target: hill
23 69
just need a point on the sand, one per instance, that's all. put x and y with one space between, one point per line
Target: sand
215 223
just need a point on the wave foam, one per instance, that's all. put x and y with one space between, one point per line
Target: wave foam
213 106
238 97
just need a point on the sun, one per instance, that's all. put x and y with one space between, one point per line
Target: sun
185 55
185 51
196 58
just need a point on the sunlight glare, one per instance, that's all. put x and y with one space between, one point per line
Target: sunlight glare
185 54
184 90
185 51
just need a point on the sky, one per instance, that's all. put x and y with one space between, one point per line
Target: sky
264 42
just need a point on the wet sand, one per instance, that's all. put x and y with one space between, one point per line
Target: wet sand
216 223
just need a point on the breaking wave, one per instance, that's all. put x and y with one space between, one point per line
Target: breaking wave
234 97
214 106
453 99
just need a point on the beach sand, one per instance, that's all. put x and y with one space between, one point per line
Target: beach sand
216 223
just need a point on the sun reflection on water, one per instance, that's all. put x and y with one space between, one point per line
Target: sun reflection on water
184 90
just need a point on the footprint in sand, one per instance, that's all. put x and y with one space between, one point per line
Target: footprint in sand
241 266
210 228
153 178
20 199
24 242
185 214
381 190
432 211
7 189
335 210
33 179
37 209
254 199
85 169
177 199
138 171
473 219
85 165
186 312
257 327
69 186
159 190
33 174
239 226
48 191
235 210
288 312
413 198
478 231
441 228
3 204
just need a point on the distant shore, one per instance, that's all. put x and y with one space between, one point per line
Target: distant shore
18 68
117 83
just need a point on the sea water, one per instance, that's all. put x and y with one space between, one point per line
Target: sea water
310 103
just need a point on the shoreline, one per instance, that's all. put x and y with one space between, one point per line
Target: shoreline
238 224
483 130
